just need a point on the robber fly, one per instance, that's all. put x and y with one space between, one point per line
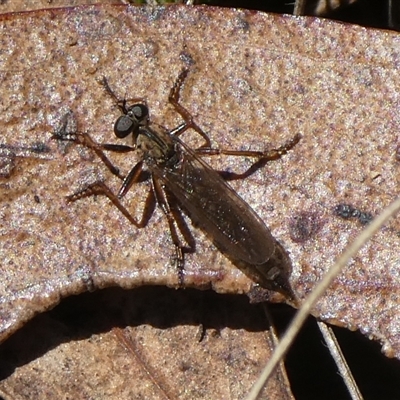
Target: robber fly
178 175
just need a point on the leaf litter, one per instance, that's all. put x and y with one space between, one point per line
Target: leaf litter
292 74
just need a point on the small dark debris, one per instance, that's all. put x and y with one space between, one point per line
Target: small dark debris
365 218
347 211
344 211
40 148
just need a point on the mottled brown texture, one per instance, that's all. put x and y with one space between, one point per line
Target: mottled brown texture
255 81
31 5
143 343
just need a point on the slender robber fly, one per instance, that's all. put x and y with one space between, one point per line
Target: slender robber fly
181 180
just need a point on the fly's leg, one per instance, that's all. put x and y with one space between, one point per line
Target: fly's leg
84 139
269 155
101 189
121 104
133 177
263 157
207 150
181 224
173 98
163 201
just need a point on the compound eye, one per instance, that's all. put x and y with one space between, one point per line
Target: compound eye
123 126
140 112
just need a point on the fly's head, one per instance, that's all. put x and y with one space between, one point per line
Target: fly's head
134 117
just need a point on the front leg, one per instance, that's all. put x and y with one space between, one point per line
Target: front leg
173 98
84 139
101 189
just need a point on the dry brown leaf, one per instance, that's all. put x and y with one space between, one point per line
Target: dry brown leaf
255 81
66 257
118 344
31 5
323 7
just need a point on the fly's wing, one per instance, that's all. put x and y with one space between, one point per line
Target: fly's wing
216 208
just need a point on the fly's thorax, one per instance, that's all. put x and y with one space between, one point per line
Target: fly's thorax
158 147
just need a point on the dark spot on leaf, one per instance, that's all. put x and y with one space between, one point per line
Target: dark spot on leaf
40 148
186 58
303 226
242 24
397 154
7 163
154 13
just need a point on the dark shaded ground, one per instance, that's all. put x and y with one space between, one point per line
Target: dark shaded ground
312 372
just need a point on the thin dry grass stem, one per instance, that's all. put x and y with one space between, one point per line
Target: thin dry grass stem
319 290
340 360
